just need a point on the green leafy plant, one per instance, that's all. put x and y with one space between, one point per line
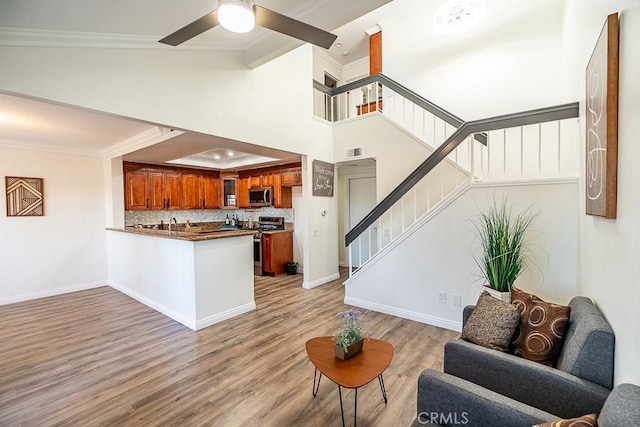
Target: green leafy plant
350 329
504 247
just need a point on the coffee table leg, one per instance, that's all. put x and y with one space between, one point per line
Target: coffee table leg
384 390
341 408
316 387
355 409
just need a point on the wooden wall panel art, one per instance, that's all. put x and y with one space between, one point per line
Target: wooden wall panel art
25 196
601 172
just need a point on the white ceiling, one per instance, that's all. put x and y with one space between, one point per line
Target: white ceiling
140 23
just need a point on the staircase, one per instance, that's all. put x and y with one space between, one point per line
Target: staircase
531 146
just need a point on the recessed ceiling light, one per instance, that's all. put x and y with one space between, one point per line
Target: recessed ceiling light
229 153
345 53
457 15
217 157
338 45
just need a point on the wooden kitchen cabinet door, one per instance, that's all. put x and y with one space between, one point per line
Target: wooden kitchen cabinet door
267 180
190 198
164 190
277 250
292 177
282 196
173 183
255 181
243 192
209 192
157 197
136 190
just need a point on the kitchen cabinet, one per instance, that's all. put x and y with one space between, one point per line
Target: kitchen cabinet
229 192
164 190
255 181
292 177
243 192
209 192
148 187
136 190
190 197
199 191
267 180
277 250
282 197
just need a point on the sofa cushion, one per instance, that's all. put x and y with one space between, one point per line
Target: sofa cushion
542 327
492 323
584 421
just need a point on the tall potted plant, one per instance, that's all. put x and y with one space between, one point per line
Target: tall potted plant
504 246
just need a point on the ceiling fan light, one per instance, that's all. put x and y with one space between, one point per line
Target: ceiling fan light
237 15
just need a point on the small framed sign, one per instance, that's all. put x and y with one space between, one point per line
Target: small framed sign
323 178
25 196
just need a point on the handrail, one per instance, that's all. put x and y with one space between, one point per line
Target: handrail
523 118
412 96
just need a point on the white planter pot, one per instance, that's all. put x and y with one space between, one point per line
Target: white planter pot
502 296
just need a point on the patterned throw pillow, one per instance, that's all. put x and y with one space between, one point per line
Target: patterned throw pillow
584 421
492 323
540 334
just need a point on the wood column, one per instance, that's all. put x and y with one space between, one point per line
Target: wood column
375 53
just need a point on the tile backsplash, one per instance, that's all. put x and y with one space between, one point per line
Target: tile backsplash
202 215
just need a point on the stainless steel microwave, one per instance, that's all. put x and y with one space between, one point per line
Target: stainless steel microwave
261 196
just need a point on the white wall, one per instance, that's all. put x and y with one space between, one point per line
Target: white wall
324 63
207 92
497 68
438 256
355 70
65 250
609 271
397 153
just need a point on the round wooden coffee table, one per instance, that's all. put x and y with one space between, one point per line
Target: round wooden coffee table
353 373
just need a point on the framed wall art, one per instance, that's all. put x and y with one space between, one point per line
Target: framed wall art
25 196
601 110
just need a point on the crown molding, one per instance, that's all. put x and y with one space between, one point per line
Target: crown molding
144 139
55 38
330 59
5 143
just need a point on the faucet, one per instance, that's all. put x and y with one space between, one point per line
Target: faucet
173 220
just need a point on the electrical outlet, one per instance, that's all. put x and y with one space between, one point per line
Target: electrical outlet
456 300
442 297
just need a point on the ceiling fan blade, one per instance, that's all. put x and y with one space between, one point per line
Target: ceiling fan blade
294 28
189 31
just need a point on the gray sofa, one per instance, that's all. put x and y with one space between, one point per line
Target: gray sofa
445 400
578 385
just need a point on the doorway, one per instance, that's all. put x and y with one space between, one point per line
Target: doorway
357 197
362 199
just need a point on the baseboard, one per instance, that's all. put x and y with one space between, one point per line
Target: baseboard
405 314
217 318
189 323
321 281
52 292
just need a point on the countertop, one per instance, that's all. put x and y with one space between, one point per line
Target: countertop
191 235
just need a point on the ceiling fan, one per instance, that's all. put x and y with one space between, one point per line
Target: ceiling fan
241 16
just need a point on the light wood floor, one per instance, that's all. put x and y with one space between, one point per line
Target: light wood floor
98 357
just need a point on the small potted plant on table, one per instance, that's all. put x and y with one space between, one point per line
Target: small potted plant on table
349 337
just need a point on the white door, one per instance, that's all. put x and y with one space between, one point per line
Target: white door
362 199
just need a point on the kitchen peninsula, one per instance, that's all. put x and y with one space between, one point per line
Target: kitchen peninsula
197 278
